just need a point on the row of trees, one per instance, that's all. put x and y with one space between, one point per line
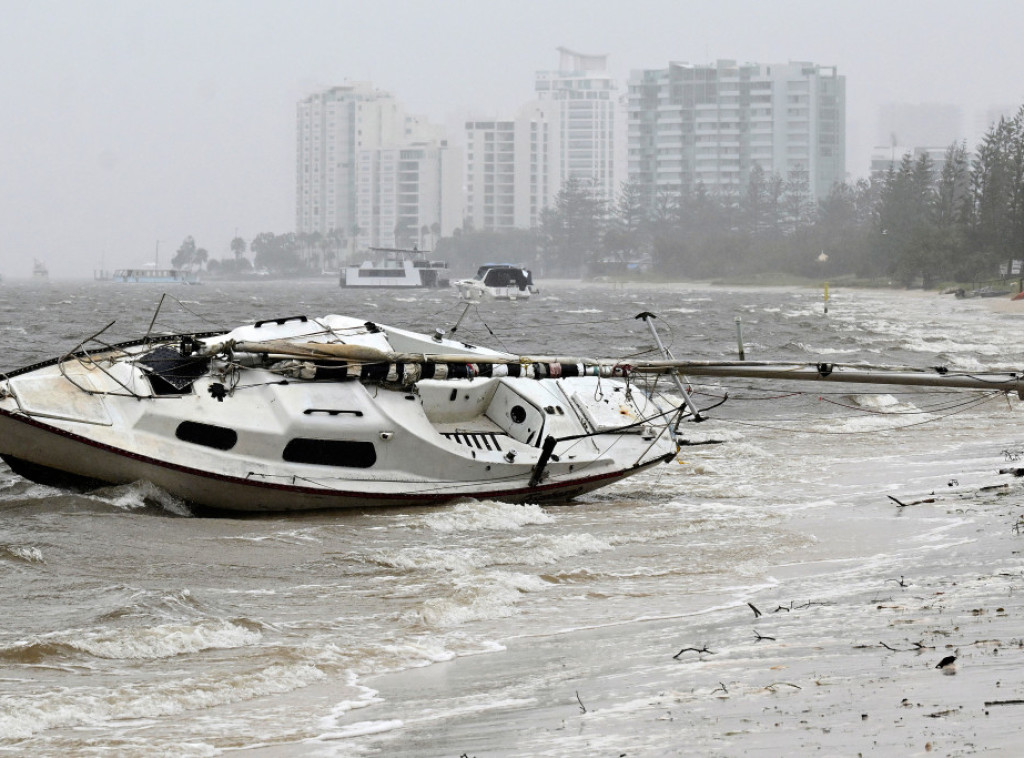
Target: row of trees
281 253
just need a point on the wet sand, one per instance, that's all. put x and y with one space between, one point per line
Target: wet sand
1004 305
818 672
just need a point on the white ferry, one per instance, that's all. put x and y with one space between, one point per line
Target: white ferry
396 268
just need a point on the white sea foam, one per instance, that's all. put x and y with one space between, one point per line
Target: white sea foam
877 402
480 596
287 537
826 350
23 716
25 553
366 696
133 496
153 642
532 550
359 729
875 422
485 515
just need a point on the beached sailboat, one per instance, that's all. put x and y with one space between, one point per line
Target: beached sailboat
305 413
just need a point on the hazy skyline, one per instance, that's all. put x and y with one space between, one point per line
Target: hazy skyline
125 123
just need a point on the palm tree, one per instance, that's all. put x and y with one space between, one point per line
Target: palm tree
238 248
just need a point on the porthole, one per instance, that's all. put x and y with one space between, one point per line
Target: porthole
207 435
330 452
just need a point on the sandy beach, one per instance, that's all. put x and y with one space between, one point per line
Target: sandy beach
808 672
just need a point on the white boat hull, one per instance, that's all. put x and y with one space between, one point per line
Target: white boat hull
59 458
250 432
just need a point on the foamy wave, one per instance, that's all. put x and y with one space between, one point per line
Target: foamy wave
364 696
25 553
923 344
167 640
585 310
21 717
479 597
140 643
359 729
480 516
825 350
130 497
534 550
883 404
876 422
966 363
287 537
432 558
546 549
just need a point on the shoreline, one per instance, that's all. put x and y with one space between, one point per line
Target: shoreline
812 669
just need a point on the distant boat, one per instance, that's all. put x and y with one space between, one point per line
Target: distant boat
39 270
154 276
500 281
393 267
983 292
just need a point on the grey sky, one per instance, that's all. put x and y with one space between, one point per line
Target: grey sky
124 123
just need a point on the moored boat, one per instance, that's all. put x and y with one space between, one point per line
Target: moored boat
154 276
398 268
498 281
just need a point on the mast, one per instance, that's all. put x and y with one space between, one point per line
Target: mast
938 376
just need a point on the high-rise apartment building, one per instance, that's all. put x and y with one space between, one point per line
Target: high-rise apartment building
582 122
408 195
491 175
516 168
508 176
368 169
332 126
711 124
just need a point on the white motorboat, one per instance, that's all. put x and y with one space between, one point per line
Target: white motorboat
309 413
498 281
396 268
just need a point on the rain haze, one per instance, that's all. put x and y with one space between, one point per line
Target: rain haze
126 124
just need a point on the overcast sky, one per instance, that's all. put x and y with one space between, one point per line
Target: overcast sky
124 123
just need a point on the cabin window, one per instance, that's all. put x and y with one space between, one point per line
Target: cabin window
330 452
208 435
